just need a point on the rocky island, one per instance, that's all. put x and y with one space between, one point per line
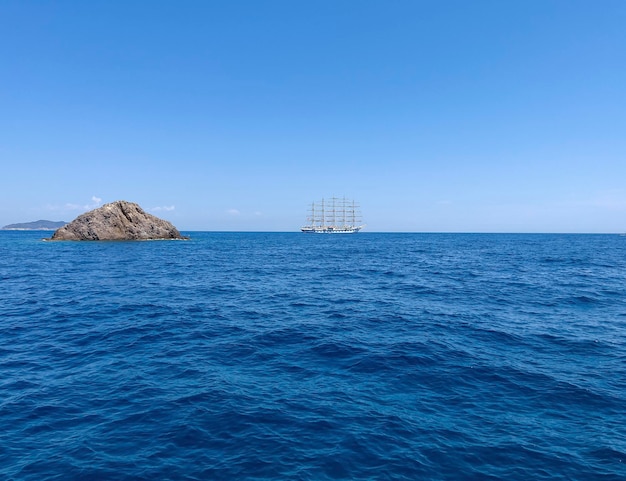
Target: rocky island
119 220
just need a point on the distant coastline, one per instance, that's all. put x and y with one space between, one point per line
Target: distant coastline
36 225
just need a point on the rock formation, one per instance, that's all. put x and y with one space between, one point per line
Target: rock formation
119 220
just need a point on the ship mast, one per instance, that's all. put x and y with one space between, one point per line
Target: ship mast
338 215
353 213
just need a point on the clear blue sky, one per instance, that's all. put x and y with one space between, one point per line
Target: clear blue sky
446 116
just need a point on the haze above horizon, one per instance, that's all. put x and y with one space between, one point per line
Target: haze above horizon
435 116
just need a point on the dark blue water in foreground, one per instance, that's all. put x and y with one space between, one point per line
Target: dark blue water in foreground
307 357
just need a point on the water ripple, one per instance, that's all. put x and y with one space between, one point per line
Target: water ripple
286 356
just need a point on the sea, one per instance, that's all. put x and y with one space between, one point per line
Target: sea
290 356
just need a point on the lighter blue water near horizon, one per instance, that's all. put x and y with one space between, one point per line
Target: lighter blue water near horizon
269 356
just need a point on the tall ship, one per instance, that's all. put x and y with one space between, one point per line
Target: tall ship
333 216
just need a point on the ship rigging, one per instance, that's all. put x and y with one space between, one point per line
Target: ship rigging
335 216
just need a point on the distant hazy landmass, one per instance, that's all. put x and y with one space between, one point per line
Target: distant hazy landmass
36 225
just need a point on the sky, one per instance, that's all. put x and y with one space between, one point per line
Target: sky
433 115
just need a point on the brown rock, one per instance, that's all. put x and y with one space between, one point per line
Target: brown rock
119 220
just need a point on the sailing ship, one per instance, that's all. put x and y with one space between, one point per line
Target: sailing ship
335 216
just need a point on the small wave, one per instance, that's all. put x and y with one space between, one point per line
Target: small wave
245 356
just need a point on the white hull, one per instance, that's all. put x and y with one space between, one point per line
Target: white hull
331 230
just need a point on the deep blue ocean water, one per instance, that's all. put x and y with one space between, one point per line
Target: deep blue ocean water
265 356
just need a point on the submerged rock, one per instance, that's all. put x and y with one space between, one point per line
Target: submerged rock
119 220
